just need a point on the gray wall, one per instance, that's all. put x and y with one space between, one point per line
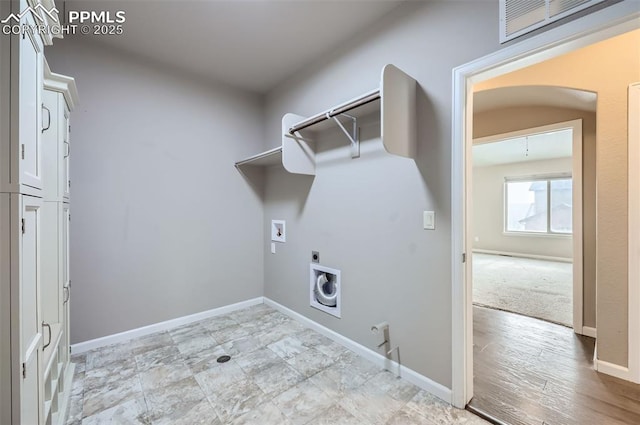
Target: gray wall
365 215
141 256
488 211
163 225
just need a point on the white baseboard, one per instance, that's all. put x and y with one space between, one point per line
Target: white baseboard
589 331
410 375
159 327
520 255
613 370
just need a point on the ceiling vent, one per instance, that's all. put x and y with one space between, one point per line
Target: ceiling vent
518 17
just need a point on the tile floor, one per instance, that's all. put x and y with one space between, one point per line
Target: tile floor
280 373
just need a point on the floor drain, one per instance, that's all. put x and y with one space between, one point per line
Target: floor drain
223 359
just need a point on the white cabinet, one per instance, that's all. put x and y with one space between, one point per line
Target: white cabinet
66 280
59 98
20 218
65 177
29 118
56 293
22 156
51 267
35 373
21 72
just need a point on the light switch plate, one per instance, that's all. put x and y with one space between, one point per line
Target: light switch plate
429 220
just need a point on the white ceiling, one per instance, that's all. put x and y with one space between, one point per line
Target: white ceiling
509 97
250 44
536 147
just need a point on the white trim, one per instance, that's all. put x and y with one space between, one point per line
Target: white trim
538 177
634 231
61 84
521 255
462 313
161 326
547 128
577 236
589 331
612 369
601 25
63 411
410 375
550 235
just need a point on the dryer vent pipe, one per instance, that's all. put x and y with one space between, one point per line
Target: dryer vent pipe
380 327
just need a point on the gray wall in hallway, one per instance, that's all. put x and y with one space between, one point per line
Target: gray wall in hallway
163 224
365 215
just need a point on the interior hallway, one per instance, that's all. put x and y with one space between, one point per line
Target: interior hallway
527 371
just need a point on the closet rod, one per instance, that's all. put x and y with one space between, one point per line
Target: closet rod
341 109
259 156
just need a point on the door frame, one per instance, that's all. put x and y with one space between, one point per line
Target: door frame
634 231
577 178
598 26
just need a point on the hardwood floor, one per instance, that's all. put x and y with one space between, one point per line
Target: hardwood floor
527 371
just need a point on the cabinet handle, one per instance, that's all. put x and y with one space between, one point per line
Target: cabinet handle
68 149
49 119
48 326
67 294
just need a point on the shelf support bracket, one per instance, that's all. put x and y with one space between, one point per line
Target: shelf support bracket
294 137
353 135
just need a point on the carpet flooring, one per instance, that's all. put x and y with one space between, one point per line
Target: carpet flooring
534 288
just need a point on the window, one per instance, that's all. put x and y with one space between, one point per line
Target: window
541 205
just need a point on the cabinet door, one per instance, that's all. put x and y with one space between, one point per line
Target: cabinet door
66 280
66 151
28 334
26 76
7 367
51 140
50 264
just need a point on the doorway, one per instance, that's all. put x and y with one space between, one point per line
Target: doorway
527 215
527 219
549 45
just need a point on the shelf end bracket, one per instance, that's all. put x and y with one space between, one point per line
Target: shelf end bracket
353 135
